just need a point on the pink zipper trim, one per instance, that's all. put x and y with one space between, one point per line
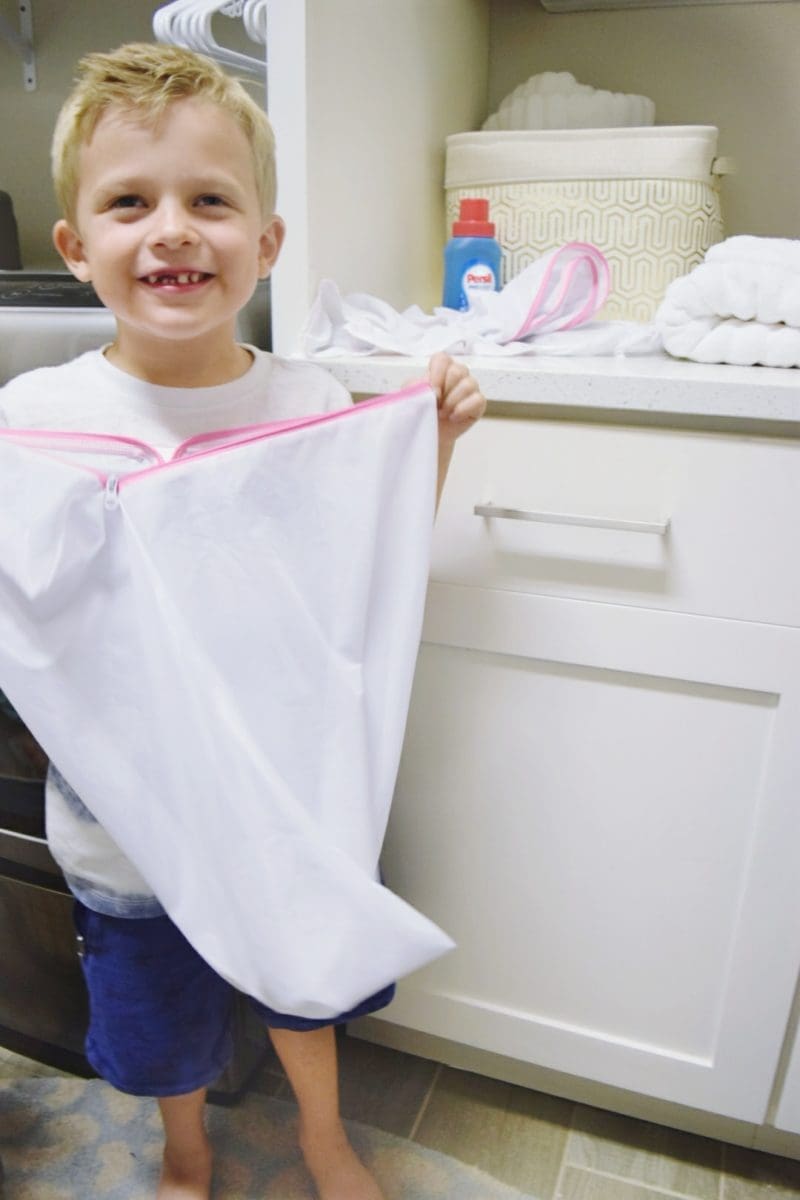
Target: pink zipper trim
58 437
242 433
224 439
601 273
53 440
580 254
564 285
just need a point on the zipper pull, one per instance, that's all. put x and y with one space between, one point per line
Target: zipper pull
112 492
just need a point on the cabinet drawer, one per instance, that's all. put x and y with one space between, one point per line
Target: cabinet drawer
682 520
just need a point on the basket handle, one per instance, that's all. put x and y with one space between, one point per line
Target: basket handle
724 166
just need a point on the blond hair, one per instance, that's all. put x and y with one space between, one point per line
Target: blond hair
147 77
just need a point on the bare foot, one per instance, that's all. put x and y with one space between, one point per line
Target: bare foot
336 1169
187 1179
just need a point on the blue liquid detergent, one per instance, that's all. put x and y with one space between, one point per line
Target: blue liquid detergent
472 257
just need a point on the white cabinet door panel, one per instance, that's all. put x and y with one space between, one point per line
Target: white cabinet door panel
787 1116
594 801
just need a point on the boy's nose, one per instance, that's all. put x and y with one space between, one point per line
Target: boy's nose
172 227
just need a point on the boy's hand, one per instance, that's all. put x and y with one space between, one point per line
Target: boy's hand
458 397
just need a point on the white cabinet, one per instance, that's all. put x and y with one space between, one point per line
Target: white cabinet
710 517
597 796
787 1117
362 94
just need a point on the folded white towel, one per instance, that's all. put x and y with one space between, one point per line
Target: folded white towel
546 309
740 305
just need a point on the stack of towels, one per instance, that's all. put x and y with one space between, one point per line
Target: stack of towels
741 305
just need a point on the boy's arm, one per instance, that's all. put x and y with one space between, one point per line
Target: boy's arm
460 405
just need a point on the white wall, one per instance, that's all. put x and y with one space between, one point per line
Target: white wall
64 30
388 80
361 134
729 65
733 66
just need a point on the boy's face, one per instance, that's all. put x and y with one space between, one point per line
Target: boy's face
168 228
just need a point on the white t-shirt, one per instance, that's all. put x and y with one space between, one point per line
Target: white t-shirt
91 395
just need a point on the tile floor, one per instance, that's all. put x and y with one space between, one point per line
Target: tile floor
549 1148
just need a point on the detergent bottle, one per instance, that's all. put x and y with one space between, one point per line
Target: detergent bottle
471 257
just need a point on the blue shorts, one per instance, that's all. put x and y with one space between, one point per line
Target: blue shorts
160 1018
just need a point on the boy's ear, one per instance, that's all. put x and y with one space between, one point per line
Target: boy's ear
69 245
269 245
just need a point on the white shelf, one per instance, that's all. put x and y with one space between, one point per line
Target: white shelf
651 384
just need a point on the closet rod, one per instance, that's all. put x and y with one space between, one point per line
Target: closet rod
22 42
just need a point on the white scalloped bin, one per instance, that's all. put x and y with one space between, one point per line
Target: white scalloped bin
647 197
555 100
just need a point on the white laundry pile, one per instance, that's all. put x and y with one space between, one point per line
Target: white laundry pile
740 305
217 652
546 309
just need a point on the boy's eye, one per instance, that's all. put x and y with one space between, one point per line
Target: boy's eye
210 201
127 202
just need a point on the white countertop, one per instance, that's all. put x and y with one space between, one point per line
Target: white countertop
647 385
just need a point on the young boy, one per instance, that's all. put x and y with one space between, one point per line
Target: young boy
164 170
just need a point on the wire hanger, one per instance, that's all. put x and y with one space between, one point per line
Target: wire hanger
188 23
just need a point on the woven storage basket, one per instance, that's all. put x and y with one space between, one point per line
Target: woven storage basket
648 197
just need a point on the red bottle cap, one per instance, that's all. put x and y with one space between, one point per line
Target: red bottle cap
473 219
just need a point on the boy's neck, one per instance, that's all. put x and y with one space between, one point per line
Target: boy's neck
182 364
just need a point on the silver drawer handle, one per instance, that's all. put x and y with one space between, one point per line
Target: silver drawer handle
555 518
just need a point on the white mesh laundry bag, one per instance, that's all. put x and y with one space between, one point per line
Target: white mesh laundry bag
217 653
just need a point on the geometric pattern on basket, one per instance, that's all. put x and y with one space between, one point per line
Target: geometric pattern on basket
651 230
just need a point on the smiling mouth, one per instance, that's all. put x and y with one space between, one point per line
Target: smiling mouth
175 278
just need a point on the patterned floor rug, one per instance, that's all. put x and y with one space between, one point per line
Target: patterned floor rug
73 1139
